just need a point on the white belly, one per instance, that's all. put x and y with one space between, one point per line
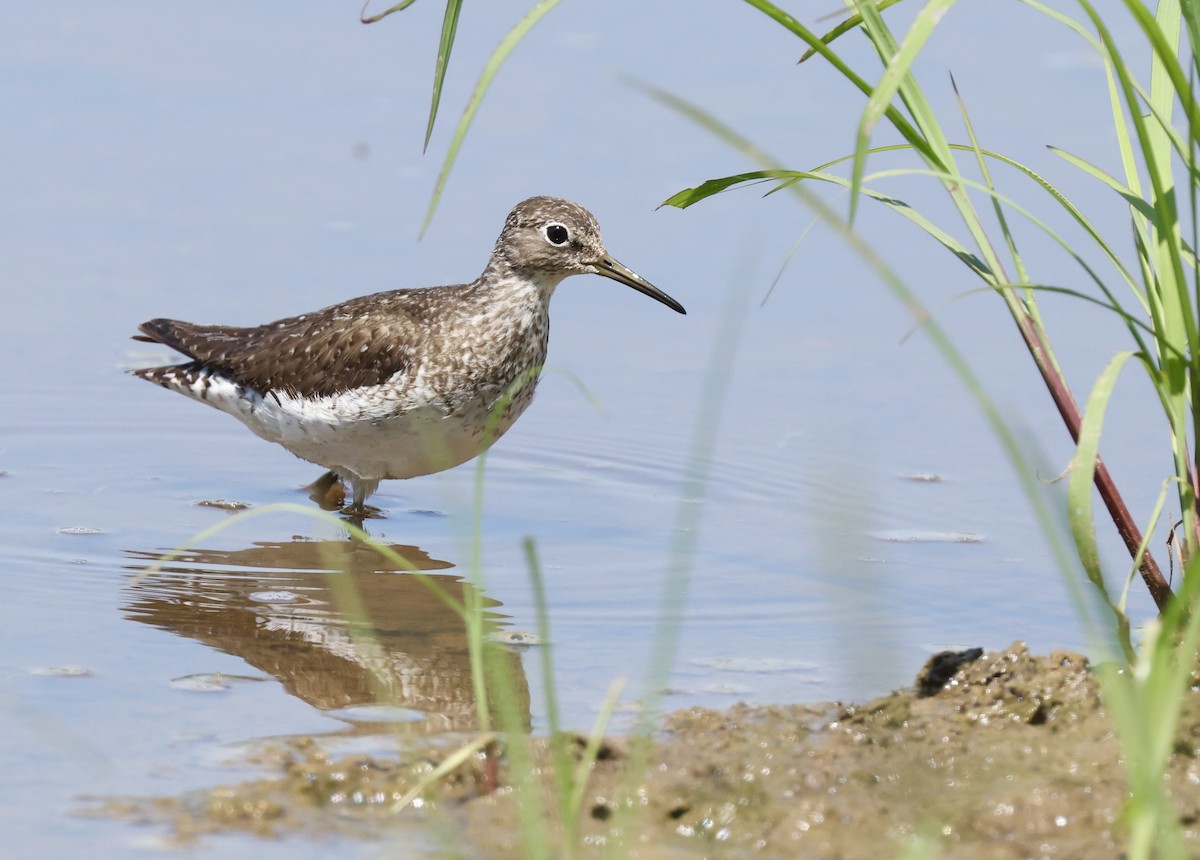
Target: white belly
369 432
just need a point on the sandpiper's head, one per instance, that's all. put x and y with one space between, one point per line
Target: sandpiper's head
556 236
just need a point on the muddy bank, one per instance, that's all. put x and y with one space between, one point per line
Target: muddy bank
998 755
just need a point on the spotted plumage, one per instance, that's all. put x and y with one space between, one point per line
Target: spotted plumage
406 382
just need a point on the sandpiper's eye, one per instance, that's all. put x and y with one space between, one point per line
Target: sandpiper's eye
557 234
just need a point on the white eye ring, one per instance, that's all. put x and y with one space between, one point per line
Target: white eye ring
556 234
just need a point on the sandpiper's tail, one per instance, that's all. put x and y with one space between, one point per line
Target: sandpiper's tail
176 377
194 378
194 341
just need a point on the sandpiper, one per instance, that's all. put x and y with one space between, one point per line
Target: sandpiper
401 383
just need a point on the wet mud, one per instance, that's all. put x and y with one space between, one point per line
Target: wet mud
997 755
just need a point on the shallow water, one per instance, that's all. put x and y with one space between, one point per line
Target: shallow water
216 163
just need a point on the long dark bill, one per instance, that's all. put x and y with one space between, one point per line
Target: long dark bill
610 268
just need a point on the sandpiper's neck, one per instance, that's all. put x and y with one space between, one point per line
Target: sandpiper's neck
502 278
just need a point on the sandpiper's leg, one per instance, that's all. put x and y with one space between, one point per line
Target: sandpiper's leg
363 487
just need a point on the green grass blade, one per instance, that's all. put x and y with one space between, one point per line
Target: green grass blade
787 261
1191 12
533 807
1132 197
1191 17
1146 705
1120 127
1015 207
941 159
1163 33
901 124
1080 487
399 7
447 766
1067 21
691 196
490 68
909 91
543 620
1135 323
591 750
1078 216
774 170
1144 217
558 749
1083 470
959 250
851 23
1166 242
1165 246
982 162
897 78
1162 114
445 44
1168 78
1155 514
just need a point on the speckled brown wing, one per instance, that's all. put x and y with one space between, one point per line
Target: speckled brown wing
358 343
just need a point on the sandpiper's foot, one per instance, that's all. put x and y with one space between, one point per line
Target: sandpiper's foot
328 492
362 512
359 509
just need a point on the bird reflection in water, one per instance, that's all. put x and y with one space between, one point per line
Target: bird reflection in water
292 609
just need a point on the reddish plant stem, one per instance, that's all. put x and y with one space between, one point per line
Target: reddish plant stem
1069 410
491 768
